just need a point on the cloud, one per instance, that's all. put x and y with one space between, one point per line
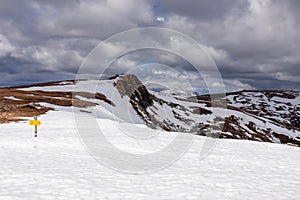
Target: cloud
253 42
5 46
93 18
285 77
265 34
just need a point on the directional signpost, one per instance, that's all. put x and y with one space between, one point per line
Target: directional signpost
35 123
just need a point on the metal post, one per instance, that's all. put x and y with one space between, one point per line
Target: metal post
35 127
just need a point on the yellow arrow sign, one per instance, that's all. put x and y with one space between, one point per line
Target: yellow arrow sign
35 122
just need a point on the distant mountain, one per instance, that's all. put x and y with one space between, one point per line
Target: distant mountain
267 116
278 105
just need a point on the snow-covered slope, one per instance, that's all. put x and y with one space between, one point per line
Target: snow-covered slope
280 106
56 166
269 116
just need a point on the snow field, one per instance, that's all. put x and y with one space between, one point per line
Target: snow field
57 166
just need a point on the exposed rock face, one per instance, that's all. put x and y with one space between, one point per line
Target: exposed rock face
132 87
140 99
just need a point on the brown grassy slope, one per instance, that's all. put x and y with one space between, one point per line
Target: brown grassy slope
18 103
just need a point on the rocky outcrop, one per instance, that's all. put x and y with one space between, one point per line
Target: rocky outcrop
132 87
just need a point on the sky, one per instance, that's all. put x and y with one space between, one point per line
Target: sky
254 43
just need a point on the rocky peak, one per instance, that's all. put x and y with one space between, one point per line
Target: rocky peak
129 85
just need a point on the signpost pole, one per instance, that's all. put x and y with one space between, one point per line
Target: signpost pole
35 123
35 127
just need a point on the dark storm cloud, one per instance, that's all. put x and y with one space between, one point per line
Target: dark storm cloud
254 43
18 71
263 40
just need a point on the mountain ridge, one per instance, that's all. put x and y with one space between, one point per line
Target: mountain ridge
260 115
